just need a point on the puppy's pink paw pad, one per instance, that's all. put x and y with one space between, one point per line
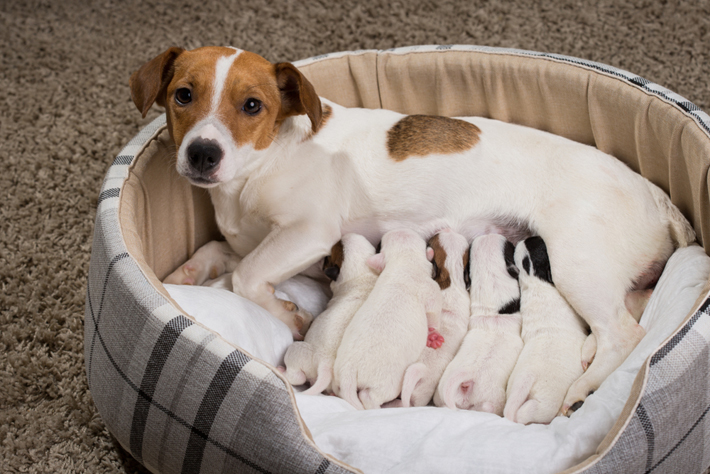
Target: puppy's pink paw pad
434 340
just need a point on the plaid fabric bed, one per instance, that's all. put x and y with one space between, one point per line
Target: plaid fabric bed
669 431
180 399
175 395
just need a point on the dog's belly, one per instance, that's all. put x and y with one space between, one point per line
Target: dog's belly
374 228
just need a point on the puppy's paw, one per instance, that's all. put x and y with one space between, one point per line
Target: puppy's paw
435 340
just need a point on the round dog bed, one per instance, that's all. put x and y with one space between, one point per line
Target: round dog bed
180 398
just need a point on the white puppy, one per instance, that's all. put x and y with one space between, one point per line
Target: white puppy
476 378
392 327
289 173
312 359
451 273
553 335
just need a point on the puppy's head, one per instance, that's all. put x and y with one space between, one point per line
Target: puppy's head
532 260
494 278
348 258
222 104
451 260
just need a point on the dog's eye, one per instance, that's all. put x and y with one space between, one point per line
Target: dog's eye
183 96
252 106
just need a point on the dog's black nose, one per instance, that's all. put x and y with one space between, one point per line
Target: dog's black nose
204 155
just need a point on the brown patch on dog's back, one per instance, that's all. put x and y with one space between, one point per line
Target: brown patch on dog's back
421 135
441 273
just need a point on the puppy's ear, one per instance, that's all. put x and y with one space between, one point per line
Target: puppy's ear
377 262
467 268
148 83
331 270
298 96
509 256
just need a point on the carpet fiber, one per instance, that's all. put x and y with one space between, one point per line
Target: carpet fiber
65 112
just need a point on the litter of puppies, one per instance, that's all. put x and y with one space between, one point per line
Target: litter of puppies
465 325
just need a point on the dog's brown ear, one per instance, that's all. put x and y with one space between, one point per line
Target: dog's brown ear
148 83
297 95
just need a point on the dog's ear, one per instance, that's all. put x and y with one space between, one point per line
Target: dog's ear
148 83
377 262
298 96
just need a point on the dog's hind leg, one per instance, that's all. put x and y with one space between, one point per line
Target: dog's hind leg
616 337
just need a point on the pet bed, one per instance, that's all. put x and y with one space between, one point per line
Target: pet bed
180 398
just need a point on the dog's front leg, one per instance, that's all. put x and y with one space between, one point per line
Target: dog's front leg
285 252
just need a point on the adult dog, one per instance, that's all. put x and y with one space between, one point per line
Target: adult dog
289 173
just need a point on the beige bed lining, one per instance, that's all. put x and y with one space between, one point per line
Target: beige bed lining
164 220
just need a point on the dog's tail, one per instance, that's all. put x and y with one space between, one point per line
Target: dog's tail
517 396
324 377
680 229
412 376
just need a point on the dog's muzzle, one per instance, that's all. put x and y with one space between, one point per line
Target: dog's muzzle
204 156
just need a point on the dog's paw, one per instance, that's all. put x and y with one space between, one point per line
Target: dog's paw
576 395
192 273
589 350
435 340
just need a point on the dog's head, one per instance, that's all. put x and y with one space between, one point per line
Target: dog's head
222 104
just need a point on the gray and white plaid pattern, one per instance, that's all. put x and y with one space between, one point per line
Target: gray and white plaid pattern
180 399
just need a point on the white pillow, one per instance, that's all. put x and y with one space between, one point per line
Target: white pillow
244 323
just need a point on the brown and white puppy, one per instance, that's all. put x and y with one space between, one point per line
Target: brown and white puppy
390 330
289 173
553 335
312 360
451 258
476 378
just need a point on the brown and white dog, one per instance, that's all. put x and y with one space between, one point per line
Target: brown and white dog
289 173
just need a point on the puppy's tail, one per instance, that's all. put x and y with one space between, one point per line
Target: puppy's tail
456 389
517 395
680 229
412 376
348 390
324 377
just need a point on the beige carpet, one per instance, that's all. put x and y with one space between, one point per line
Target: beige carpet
65 112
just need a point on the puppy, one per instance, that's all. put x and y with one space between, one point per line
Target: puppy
476 378
289 173
392 327
312 359
553 335
451 258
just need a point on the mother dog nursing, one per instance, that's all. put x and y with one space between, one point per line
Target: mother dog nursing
289 173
